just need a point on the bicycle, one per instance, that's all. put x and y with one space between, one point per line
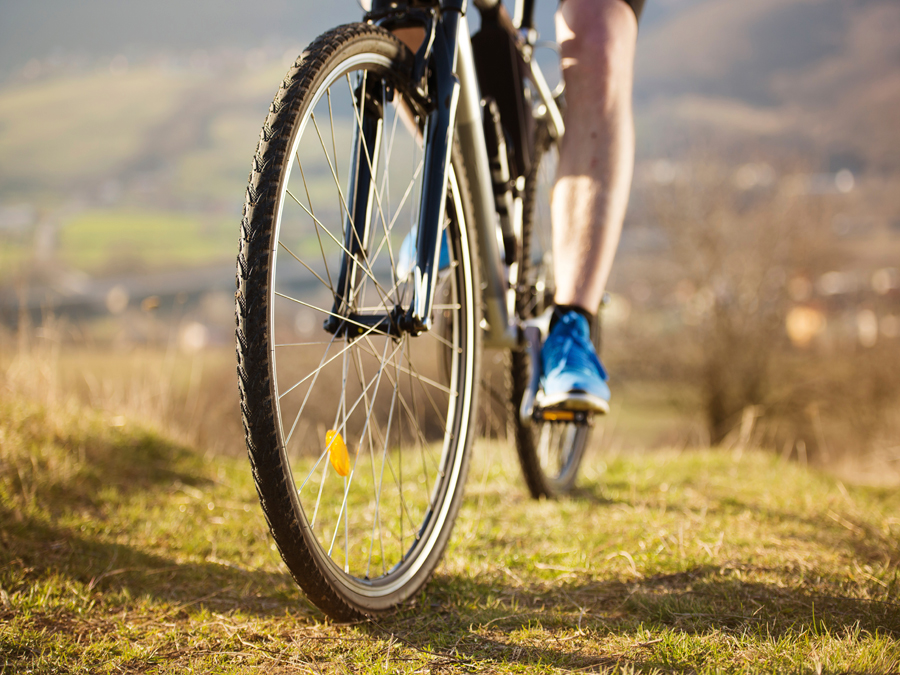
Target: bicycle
396 220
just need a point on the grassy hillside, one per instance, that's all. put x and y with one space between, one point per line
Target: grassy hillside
121 240
122 550
148 129
112 162
821 71
820 75
70 130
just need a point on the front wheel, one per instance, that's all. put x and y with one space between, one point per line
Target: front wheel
358 436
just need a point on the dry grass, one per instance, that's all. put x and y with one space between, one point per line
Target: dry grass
123 549
189 397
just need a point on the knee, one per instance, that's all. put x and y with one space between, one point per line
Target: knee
597 41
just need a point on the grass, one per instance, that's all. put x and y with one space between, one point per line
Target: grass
122 550
14 257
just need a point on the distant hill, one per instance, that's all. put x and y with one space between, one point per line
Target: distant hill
818 74
103 28
821 72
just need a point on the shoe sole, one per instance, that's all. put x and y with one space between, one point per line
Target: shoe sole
573 400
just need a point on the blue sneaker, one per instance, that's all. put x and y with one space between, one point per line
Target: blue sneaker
572 376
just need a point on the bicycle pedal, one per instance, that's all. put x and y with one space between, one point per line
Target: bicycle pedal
580 417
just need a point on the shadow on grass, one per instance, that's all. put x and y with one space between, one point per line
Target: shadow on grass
70 469
460 619
116 574
470 620
836 531
59 514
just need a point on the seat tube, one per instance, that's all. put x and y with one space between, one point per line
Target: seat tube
470 130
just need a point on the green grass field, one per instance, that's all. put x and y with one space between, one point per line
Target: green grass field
69 129
122 550
195 131
120 240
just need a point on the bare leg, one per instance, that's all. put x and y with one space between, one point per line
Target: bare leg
596 159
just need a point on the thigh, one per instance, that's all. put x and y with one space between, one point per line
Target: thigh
636 5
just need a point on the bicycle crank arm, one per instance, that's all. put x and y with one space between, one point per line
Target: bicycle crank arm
533 341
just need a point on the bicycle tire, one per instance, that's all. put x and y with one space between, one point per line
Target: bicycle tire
550 453
406 425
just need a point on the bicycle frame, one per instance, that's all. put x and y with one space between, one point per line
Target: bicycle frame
452 87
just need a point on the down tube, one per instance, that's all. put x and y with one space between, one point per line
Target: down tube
500 332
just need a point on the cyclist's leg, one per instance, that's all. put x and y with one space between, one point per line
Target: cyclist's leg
597 40
596 157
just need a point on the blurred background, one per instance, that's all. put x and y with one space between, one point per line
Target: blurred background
756 297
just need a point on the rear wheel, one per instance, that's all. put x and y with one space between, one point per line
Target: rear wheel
359 440
550 452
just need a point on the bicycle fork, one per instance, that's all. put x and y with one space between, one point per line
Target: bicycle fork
454 90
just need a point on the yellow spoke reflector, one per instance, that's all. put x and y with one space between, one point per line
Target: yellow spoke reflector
559 415
337 450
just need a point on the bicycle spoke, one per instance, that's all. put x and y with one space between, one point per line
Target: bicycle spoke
420 436
444 341
390 227
301 344
378 491
325 311
414 374
312 522
372 172
389 152
313 374
348 481
342 201
311 270
367 430
436 385
343 204
341 414
331 124
368 272
313 215
415 404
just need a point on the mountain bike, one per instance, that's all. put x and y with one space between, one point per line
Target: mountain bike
396 221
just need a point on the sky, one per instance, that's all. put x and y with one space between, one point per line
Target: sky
94 29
